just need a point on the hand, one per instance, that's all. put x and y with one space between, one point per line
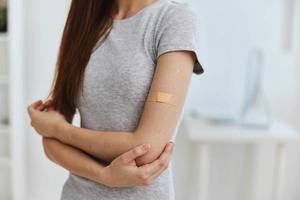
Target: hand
45 120
123 171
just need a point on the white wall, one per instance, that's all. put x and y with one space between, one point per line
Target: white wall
44 25
281 86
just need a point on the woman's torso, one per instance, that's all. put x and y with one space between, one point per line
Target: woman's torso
116 83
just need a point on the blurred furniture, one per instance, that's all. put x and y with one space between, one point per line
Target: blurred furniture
12 112
203 134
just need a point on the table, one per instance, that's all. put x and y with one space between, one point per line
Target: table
204 133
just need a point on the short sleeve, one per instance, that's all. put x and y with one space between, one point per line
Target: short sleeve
179 31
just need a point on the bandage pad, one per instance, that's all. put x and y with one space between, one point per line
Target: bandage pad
163 97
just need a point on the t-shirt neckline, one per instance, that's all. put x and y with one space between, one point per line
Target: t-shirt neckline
140 12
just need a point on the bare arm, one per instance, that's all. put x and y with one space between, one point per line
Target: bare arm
122 172
158 121
74 160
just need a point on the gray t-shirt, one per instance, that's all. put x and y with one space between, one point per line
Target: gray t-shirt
116 83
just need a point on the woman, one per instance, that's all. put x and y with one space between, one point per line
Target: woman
126 66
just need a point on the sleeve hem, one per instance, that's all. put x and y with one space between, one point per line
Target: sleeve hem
198 69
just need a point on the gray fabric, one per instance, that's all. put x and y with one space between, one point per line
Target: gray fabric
117 79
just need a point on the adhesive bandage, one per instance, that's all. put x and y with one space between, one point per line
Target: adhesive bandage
163 97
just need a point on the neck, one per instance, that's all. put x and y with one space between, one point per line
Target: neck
127 8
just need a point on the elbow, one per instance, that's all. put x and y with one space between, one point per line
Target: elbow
47 145
152 155
157 146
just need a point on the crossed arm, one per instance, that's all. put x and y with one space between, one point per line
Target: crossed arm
122 172
157 123
67 157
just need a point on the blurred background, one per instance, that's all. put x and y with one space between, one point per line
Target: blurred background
239 136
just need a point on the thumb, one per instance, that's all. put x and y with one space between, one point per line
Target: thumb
134 153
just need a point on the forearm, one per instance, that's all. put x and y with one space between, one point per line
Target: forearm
74 160
104 145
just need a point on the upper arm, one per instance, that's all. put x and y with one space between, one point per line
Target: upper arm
177 58
46 145
49 144
158 120
73 160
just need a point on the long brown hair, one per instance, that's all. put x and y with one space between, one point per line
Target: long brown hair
87 22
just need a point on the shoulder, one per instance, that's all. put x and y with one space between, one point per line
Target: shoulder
176 17
179 13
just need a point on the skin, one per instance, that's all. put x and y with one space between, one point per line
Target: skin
156 125
128 8
121 172
158 121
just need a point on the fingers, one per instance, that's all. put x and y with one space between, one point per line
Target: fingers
151 171
48 104
134 153
163 161
160 171
33 106
40 107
